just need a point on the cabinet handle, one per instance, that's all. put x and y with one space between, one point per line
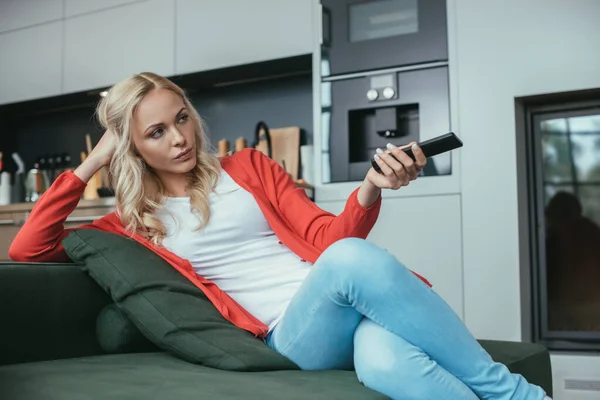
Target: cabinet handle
7 222
91 218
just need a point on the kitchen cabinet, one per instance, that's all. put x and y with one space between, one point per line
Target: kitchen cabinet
105 47
424 233
13 216
214 34
77 7
15 14
30 62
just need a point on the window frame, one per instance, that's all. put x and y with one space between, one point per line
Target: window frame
554 340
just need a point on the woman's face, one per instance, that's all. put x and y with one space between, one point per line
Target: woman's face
163 133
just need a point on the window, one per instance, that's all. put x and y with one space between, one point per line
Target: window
565 182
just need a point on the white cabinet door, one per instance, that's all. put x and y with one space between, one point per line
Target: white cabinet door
30 62
424 233
219 33
76 7
104 47
16 14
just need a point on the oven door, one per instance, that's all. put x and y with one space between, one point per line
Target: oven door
369 35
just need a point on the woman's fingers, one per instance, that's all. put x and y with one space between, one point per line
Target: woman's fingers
379 180
381 160
392 170
420 159
397 167
405 161
393 163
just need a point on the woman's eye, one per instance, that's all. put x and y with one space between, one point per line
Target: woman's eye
183 118
156 133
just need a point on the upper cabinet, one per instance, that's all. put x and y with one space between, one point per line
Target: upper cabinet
15 14
104 47
33 67
77 7
214 34
53 47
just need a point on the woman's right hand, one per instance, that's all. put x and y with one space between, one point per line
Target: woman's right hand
105 148
98 158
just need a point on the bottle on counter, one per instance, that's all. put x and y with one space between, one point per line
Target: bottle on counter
4 185
5 188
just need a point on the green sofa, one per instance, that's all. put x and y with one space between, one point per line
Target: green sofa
49 349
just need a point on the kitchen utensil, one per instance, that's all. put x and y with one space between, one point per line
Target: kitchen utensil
88 143
36 184
18 190
262 139
223 148
240 144
281 144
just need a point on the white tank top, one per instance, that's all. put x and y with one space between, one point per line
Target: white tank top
237 250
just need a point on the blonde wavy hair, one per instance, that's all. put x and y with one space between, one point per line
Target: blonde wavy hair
138 191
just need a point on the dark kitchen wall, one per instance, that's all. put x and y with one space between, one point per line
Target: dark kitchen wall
233 111
57 131
229 111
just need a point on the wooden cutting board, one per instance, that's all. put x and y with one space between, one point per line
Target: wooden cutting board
285 145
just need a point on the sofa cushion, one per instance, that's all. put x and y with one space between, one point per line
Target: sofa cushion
117 334
160 376
165 306
531 360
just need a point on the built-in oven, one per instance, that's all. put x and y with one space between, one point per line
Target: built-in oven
363 35
365 112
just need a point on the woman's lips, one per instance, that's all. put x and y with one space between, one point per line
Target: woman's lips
184 155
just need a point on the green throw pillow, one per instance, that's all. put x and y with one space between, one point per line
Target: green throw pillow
165 306
117 334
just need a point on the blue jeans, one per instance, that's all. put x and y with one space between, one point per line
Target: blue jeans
359 308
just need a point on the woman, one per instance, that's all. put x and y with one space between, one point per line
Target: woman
243 233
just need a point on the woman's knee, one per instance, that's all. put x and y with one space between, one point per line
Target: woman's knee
359 259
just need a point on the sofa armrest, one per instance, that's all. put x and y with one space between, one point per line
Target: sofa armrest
528 359
48 311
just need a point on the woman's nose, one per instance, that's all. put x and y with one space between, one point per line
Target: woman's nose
177 138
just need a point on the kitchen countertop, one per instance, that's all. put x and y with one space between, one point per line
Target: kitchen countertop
110 201
24 207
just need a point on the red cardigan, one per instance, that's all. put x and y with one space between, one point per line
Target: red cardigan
299 223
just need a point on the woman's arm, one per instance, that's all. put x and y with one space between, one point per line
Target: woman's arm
39 239
317 226
368 193
321 228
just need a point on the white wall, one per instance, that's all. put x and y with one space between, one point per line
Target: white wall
501 50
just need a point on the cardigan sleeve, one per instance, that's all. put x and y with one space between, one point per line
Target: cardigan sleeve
39 239
317 226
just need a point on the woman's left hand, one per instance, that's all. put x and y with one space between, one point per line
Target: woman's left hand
398 171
